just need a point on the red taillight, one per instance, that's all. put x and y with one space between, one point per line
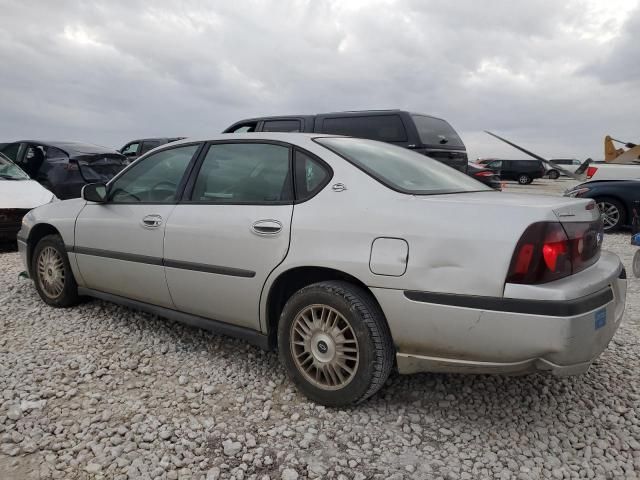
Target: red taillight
549 251
483 174
591 171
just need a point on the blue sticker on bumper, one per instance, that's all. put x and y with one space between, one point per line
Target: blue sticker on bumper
601 318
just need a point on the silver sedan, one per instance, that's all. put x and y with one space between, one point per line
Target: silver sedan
351 257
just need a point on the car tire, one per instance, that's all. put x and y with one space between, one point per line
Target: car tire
553 174
315 322
613 213
524 179
52 273
636 264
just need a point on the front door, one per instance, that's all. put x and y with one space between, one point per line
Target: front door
231 232
118 244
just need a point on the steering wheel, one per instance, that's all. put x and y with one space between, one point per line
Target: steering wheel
165 182
118 190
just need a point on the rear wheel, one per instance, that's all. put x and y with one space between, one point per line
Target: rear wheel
613 213
524 179
335 343
52 273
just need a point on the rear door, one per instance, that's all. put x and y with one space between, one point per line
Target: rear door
231 230
118 244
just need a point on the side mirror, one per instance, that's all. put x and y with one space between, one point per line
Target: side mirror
94 192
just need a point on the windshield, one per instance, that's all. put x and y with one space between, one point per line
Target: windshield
434 131
10 171
401 169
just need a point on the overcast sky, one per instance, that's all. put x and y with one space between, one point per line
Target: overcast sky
553 75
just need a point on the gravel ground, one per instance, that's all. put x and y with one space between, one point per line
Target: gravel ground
100 391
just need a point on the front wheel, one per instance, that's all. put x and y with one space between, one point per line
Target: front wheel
52 273
554 174
335 344
524 179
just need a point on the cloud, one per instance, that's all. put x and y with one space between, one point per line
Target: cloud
556 76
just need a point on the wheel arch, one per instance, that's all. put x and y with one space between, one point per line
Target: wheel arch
36 233
290 281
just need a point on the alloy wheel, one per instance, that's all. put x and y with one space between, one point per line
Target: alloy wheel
324 347
51 272
610 215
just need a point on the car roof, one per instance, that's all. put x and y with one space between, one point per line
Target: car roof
345 113
288 137
72 147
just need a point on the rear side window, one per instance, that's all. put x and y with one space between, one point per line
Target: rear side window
386 128
247 173
281 126
435 131
55 153
529 164
311 176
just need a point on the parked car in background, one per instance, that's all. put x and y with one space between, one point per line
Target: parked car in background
522 171
424 134
65 167
484 175
420 271
612 171
18 195
569 164
137 148
615 199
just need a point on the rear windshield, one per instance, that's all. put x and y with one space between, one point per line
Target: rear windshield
401 169
435 131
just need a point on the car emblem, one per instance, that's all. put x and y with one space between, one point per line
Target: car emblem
339 187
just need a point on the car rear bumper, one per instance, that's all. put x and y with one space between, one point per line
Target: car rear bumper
506 335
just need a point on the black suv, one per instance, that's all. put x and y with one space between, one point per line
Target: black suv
137 148
523 171
423 133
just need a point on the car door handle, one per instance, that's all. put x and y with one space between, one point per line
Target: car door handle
266 227
152 221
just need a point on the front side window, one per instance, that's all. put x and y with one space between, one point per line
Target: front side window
148 145
386 128
281 126
401 169
311 175
245 128
131 149
254 173
154 179
495 164
435 131
10 171
11 151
